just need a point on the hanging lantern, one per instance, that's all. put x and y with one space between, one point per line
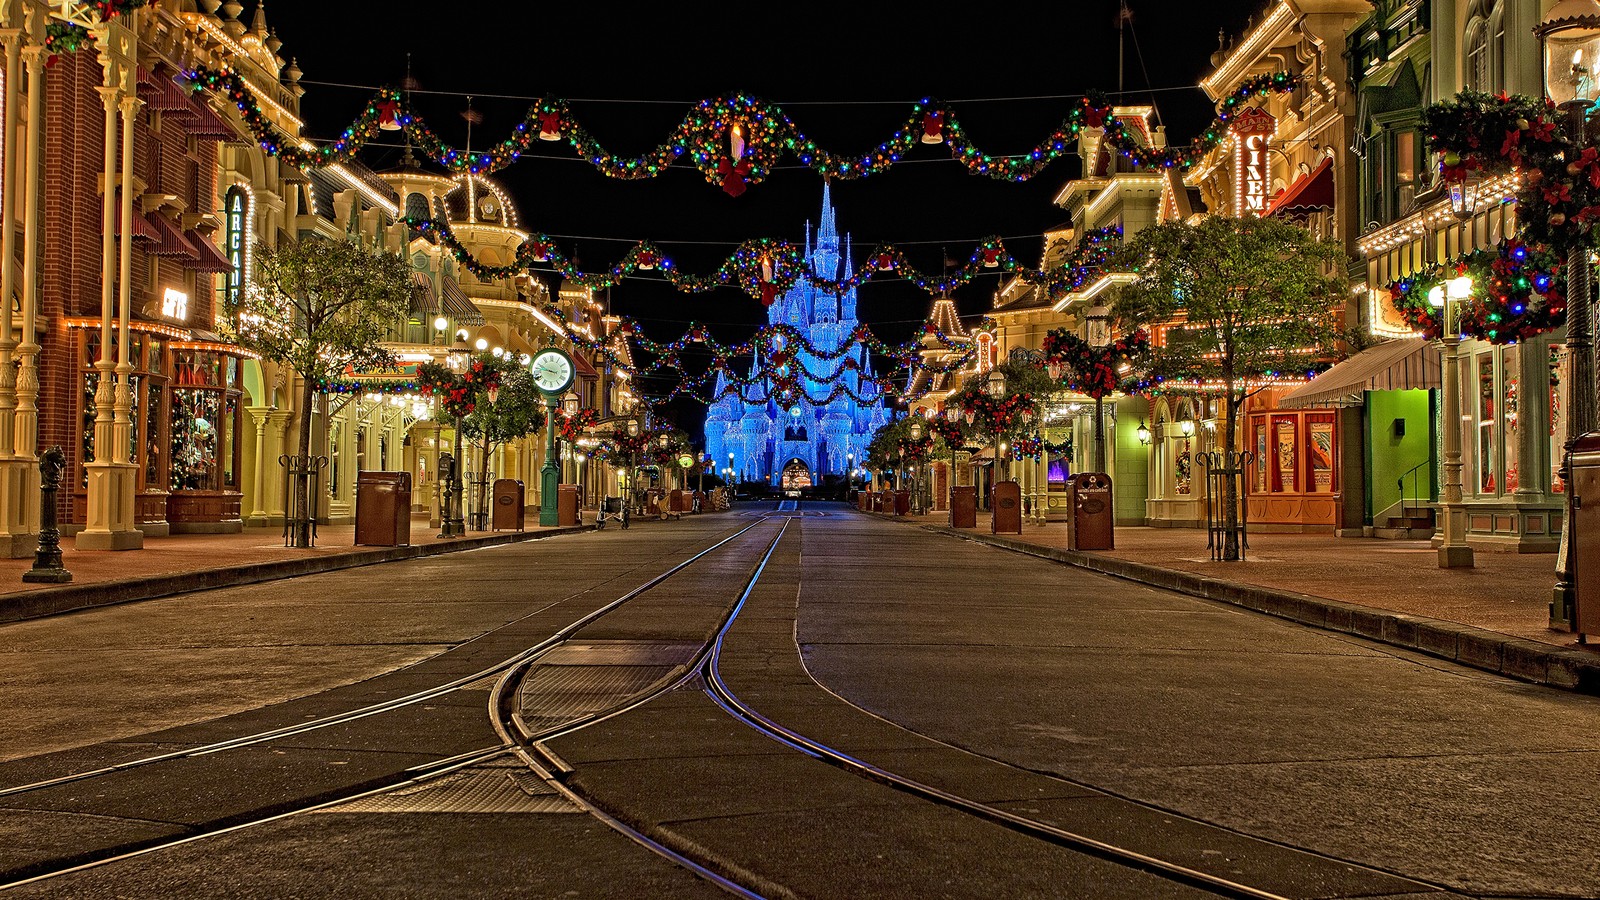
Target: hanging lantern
1056 369
550 125
389 115
967 415
933 127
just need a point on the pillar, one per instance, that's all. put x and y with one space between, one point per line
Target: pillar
16 538
24 480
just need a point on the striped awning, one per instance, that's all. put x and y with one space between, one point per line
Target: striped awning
424 302
209 258
172 242
456 304
142 229
1409 364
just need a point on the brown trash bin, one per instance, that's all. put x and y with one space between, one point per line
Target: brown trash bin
1006 515
1584 558
510 505
902 503
383 509
862 499
677 502
567 505
1090 517
964 507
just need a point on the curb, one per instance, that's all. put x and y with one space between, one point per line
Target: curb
1467 645
34 604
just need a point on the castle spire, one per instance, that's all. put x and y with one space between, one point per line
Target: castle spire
826 234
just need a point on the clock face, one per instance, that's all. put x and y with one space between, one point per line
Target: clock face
552 371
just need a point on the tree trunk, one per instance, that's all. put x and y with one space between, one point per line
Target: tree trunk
301 504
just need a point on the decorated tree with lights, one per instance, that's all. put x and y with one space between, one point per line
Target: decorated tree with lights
319 307
515 408
1243 304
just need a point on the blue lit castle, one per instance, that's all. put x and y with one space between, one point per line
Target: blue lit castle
801 440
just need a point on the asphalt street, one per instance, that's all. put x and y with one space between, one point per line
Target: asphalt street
1300 762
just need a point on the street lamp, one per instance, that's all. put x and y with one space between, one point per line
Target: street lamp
1142 433
995 386
450 518
1570 37
633 432
1453 551
1098 325
916 484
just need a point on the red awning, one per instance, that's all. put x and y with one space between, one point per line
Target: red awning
142 229
1309 192
585 370
211 259
172 242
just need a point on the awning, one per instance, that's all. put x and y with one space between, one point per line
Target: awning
172 242
1309 192
1410 364
208 124
456 305
424 302
585 370
210 259
142 229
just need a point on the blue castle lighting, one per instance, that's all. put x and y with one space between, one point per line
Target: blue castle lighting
802 440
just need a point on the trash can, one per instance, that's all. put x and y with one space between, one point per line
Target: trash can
902 503
1090 519
1006 508
964 507
510 505
567 504
383 509
1584 560
677 502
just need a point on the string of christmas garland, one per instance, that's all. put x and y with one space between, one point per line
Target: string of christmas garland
766 267
736 141
840 389
1516 294
1087 369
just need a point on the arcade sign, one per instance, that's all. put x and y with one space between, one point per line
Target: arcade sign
1253 128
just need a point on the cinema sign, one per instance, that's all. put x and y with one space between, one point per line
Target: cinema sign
1253 129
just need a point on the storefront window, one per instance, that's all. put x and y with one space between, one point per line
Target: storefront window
153 457
1285 454
1486 419
91 382
1320 453
229 435
195 416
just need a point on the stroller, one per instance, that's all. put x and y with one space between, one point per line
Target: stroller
611 509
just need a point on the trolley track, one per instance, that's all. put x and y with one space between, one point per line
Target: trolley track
35 795
707 675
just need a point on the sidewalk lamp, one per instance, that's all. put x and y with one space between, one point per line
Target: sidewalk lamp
450 518
1453 551
1570 38
1142 433
995 386
916 483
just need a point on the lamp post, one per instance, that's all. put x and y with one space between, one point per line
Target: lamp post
665 469
1570 38
633 432
916 483
450 519
995 386
1453 551
1099 328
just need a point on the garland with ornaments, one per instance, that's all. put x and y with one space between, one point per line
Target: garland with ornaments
1095 372
736 141
458 393
766 267
1516 294
572 427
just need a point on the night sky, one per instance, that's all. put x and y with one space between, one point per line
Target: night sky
847 78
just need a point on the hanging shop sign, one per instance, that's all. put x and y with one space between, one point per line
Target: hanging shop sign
398 371
175 305
1253 129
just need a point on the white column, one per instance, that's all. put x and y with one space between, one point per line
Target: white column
25 512
1453 552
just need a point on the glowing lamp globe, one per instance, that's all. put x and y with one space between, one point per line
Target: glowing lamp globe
1570 34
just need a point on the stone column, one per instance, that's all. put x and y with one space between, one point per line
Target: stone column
277 431
256 514
15 530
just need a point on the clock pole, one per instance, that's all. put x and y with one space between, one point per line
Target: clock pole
549 476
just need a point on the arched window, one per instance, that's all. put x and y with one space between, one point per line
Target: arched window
235 236
1484 46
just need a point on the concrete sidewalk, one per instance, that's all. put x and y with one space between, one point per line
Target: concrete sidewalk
1494 616
187 562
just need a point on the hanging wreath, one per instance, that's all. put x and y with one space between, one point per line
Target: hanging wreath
1516 294
457 393
1093 371
572 427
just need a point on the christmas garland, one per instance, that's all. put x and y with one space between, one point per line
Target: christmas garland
572 427
916 450
1090 370
997 417
1516 294
736 141
766 267
456 393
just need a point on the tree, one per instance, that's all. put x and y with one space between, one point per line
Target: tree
1012 416
516 410
317 307
1244 301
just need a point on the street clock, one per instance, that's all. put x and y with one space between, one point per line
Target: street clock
552 371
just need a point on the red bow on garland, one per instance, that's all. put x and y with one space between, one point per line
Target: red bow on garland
734 178
389 115
550 125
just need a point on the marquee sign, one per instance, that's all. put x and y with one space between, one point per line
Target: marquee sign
401 371
1253 129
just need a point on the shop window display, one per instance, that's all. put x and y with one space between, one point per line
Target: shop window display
1486 419
195 416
